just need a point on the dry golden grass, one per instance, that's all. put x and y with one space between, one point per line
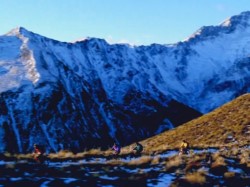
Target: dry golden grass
94 151
156 160
228 126
196 178
115 162
24 156
61 155
229 174
244 157
174 162
144 160
219 161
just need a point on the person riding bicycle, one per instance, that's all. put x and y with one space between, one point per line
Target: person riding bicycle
117 149
38 153
138 149
184 148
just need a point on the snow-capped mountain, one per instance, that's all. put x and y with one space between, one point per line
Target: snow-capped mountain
76 95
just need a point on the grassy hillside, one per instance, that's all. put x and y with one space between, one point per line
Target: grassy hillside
226 126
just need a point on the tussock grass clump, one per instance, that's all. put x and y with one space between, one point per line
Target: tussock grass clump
156 160
115 162
63 154
195 163
174 163
218 159
218 167
94 152
195 178
66 154
244 157
144 160
229 174
8 156
80 155
23 156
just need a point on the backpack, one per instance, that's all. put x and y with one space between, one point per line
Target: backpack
140 148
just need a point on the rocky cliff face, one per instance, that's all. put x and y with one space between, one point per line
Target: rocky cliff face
90 93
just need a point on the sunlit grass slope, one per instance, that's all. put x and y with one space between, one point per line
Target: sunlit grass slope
226 126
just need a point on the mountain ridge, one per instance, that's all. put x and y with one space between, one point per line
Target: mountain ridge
58 89
241 20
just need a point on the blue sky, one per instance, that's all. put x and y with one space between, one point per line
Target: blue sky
118 21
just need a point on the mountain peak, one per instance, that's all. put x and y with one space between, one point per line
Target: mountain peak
17 31
241 19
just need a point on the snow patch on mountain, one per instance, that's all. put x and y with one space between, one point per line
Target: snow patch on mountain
66 93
